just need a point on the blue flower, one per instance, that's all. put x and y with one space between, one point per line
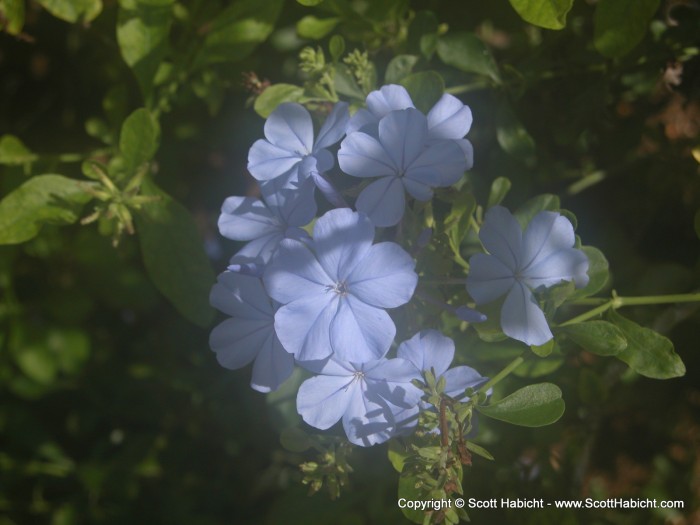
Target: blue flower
375 400
542 256
404 160
429 349
249 334
334 290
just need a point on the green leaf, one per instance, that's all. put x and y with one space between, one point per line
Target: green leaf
479 451
345 83
543 350
425 88
544 202
275 95
173 253
73 10
139 138
597 337
598 273
44 199
550 14
619 25
336 47
238 30
408 490
399 68
13 152
533 406
457 223
142 34
499 189
648 353
316 28
466 52
309 3
397 454
12 11
512 136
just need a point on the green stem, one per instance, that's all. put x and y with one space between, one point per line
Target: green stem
515 363
618 302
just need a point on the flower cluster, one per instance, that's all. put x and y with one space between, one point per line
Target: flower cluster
318 297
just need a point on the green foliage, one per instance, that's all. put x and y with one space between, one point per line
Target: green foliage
73 10
621 24
139 139
499 189
13 12
467 53
399 68
13 152
532 406
273 96
598 337
598 273
550 14
513 137
43 199
316 28
425 88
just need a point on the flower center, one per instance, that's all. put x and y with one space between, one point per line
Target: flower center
341 288
358 376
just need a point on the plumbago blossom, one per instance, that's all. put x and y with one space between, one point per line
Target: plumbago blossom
520 262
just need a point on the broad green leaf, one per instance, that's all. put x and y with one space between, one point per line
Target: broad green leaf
44 199
619 25
648 353
345 83
139 138
73 10
12 11
533 406
408 490
544 202
425 88
238 30
316 28
336 47
399 68
598 273
466 52
512 136
499 189
479 450
597 337
550 14
142 34
13 152
275 95
457 223
173 253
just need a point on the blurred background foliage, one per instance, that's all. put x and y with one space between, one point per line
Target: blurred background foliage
113 408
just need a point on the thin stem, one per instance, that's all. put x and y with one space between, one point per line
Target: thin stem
515 363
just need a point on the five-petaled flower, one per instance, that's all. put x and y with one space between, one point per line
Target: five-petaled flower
519 262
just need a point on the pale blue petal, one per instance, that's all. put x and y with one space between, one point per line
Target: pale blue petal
449 118
385 277
391 379
502 237
259 250
237 341
329 192
442 163
547 233
361 120
522 319
403 135
568 264
290 127
342 238
324 160
391 97
247 268
360 332
383 201
366 422
459 378
323 400
272 367
488 278
240 296
417 190
294 272
266 161
428 349
330 367
363 156
290 199
246 218
468 151
334 127
303 327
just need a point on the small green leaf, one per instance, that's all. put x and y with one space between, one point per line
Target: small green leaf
648 353
499 189
73 10
12 11
44 199
397 455
173 253
598 273
13 152
457 223
275 95
309 3
399 68
238 30
512 136
619 25
316 28
345 83
425 88
336 47
139 138
479 451
466 52
597 337
550 14
38 364
543 350
544 202
532 406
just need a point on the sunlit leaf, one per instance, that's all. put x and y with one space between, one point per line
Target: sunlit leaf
139 138
550 14
532 406
275 95
73 10
12 11
316 28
